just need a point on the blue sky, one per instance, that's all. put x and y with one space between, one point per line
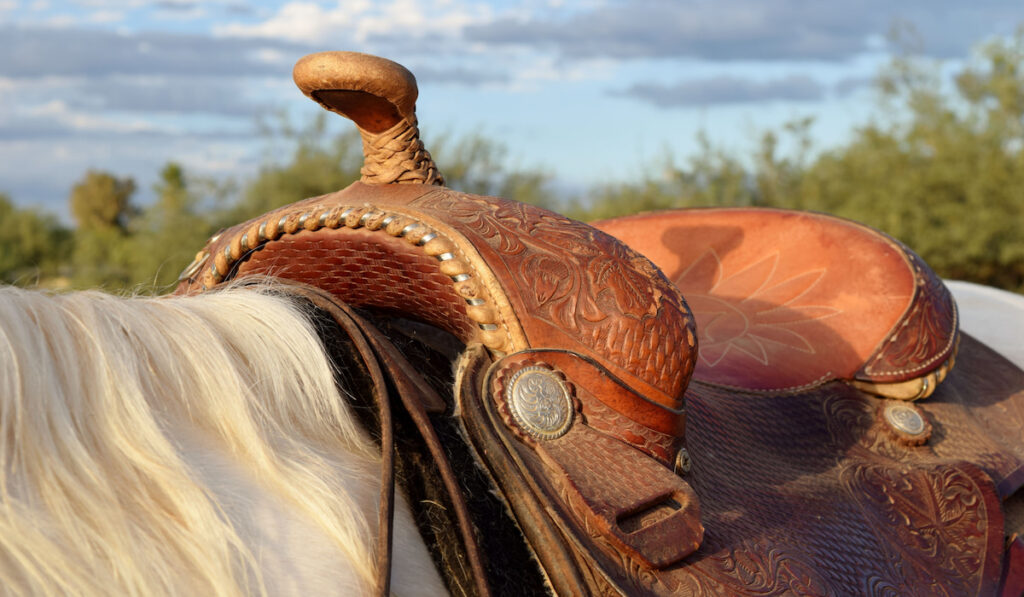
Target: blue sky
593 91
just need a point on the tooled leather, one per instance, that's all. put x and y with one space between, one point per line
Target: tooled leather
806 494
815 498
788 300
381 210
599 482
366 268
979 409
603 403
926 335
582 289
570 285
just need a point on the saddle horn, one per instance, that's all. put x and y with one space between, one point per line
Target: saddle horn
379 96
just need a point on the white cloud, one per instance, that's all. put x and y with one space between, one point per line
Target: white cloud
106 16
360 21
111 4
59 114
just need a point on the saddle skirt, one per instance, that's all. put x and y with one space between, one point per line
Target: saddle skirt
795 424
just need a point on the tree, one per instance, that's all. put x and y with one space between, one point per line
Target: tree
102 201
101 206
478 165
319 164
32 244
167 234
947 177
323 163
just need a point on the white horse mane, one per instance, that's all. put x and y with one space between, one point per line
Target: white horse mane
183 445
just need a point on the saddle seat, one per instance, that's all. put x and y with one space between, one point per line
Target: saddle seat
786 300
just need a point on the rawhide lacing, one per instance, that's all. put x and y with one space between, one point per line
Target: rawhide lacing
397 156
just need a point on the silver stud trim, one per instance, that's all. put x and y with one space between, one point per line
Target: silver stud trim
445 257
683 462
461 277
426 239
476 302
193 268
263 232
409 228
904 418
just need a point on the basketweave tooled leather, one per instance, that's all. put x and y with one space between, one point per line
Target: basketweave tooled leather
805 477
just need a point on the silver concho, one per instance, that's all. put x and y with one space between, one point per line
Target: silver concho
904 418
540 402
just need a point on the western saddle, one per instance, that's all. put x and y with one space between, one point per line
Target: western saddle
781 430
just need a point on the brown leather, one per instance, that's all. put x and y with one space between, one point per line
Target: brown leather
787 300
378 355
804 493
575 390
561 285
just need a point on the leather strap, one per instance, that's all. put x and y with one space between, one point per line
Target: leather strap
419 399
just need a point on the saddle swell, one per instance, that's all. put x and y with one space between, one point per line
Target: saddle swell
808 340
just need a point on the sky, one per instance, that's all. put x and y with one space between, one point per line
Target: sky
593 91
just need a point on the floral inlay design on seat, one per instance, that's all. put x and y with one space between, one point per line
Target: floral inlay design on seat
753 312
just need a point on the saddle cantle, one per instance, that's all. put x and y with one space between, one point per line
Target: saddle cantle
796 445
788 300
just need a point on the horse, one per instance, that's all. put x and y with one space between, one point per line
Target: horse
814 416
161 446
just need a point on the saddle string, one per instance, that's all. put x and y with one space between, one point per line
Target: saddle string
411 390
419 399
345 318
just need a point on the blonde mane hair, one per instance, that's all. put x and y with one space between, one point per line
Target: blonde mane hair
131 428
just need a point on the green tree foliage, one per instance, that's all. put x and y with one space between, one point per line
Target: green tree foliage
102 207
101 200
948 180
167 234
323 163
476 164
320 163
32 245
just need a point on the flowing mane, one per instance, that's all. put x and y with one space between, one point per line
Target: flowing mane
148 442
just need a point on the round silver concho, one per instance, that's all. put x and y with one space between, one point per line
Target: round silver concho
540 402
904 419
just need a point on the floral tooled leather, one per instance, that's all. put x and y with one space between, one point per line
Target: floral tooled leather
786 300
580 289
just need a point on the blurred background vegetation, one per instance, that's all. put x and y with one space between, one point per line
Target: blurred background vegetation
938 167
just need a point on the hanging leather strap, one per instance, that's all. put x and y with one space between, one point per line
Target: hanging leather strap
419 399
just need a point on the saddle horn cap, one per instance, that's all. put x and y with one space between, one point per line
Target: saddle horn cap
373 92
